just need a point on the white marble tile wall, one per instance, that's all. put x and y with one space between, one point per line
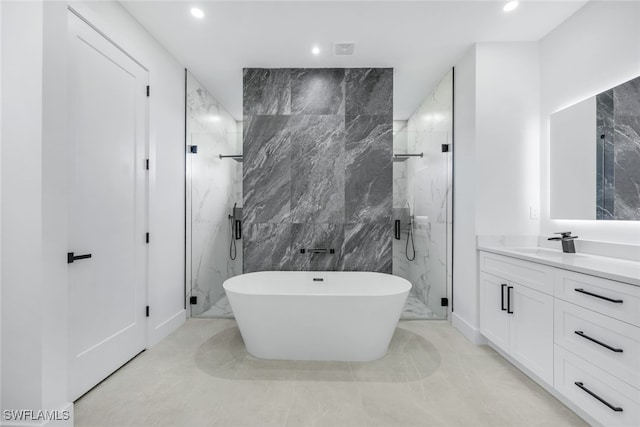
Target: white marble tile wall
429 193
212 189
400 262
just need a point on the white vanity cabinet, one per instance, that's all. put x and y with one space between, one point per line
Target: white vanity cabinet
516 311
597 346
578 333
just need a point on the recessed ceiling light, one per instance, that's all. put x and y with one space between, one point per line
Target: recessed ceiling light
315 50
198 13
512 5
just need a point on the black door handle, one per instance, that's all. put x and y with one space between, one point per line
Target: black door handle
71 257
604 402
608 347
509 299
504 285
582 291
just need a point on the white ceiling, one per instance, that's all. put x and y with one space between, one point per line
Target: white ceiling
421 40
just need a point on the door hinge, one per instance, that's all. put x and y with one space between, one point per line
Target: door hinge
148 90
193 149
445 148
193 300
444 302
146 164
147 311
146 238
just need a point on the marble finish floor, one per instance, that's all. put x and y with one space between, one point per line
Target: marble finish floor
432 376
413 309
221 309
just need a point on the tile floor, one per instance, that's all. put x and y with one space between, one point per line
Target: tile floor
432 376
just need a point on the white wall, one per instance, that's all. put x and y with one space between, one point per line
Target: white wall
594 50
507 138
496 159
465 288
34 192
34 324
166 142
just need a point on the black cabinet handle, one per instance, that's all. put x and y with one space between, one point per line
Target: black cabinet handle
582 291
502 297
71 257
586 390
608 347
509 299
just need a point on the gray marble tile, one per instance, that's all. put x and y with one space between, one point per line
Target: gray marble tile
266 91
627 150
329 236
369 169
317 91
266 169
317 169
369 91
315 236
266 247
367 247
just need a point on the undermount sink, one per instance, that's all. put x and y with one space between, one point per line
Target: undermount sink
534 250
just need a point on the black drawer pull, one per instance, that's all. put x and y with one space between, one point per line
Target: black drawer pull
582 291
586 390
502 297
509 299
71 257
608 347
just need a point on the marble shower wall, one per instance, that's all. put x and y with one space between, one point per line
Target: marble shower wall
213 186
618 152
429 194
401 264
317 168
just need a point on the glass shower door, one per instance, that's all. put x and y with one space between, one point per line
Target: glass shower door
422 172
214 186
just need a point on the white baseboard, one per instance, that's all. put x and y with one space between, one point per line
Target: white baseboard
163 329
471 333
59 413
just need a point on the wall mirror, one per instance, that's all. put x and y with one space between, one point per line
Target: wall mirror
595 157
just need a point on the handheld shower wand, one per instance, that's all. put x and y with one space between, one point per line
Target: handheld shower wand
410 237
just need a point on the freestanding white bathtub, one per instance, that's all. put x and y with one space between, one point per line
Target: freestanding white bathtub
299 315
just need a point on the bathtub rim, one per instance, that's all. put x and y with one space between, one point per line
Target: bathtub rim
406 286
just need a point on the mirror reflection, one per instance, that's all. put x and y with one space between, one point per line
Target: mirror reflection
595 156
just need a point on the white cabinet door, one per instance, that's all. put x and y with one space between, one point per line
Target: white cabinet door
494 320
531 330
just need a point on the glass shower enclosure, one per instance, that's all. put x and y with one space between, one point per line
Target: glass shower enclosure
422 203
213 202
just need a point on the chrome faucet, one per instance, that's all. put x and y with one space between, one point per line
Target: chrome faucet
567 241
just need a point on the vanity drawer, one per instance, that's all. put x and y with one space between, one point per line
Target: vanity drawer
571 369
612 345
529 274
615 299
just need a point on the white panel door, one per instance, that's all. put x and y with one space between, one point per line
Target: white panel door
107 215
494 319
531 331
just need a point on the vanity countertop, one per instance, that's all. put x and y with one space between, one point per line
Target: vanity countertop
617 269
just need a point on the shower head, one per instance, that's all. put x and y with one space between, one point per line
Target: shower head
404 157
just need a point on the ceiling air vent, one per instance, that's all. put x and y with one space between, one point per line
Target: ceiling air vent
343 49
